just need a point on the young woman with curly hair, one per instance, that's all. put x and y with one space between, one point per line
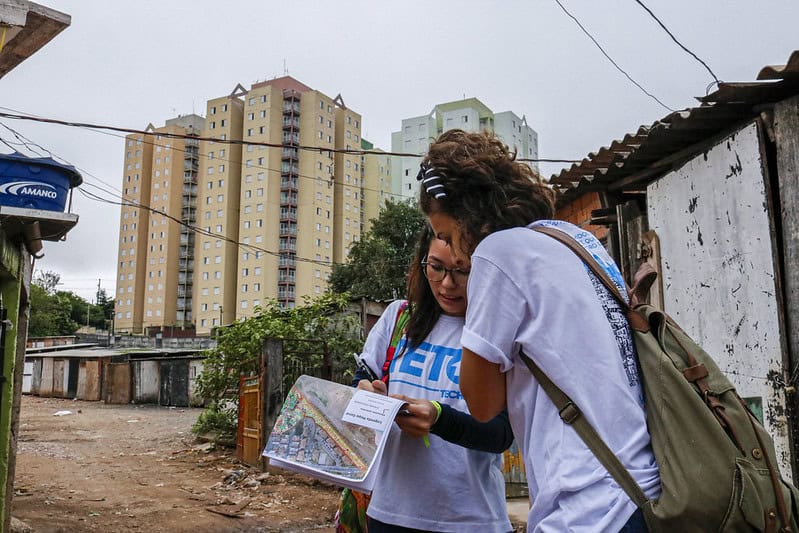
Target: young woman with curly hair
529 293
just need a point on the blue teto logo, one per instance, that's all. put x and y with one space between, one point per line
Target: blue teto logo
29 188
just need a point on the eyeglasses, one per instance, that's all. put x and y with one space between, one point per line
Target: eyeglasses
436 272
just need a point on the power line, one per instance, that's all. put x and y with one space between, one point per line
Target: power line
231 161
198 229
655 98
130 203
673 38
239 142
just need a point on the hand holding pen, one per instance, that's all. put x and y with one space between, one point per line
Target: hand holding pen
415 418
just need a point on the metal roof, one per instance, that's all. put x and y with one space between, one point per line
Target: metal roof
84 351
28 27
629 163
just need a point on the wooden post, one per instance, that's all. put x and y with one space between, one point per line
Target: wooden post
631 224
272 393
786 131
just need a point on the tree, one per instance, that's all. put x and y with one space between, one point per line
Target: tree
63 312
377 265
50 314
239 345
47 280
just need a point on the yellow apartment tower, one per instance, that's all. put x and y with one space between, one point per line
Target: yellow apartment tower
278 199
156 235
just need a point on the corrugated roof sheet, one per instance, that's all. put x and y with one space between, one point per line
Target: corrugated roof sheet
639 157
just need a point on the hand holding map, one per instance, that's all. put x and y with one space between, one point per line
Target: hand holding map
332 432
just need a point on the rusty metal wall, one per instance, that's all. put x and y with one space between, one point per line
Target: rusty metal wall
117 383
59 377
718 260
89 380
46 381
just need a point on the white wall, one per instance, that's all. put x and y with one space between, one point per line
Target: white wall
713 219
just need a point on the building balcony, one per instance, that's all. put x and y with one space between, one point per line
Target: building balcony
287 261
290 231
291 107
286 276
291 138
190 190
289 153
288 184
283 292
288 170
288 216
290 246
184 279
291 123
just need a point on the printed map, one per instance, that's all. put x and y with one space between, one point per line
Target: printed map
309 431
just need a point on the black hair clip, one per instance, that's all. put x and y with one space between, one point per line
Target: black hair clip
431 182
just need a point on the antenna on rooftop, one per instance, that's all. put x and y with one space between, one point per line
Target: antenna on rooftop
285 70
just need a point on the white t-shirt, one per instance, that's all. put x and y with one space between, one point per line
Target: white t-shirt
444 487
529 292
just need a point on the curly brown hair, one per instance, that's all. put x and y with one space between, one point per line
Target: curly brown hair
487 190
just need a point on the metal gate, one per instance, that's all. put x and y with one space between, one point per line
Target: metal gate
174 383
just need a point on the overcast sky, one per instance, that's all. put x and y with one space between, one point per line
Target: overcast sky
131 63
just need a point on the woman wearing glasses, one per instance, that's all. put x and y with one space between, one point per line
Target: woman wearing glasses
443 471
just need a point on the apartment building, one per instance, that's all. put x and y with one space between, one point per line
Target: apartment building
259 208
156 239
470 115
376 181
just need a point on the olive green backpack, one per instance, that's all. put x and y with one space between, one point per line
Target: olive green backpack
717 463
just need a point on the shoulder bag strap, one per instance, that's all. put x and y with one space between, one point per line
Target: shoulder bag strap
571 415
638 293
587 258
568 410
399 329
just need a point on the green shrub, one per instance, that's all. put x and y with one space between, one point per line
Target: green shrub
218 423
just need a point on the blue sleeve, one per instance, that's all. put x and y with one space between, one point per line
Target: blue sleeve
460 428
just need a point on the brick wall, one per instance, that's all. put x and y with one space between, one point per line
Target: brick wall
579 212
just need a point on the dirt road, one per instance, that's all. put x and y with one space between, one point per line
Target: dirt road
87 466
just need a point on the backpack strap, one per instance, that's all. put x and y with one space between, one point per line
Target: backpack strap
403 314
568 410
637 294
571 415
587 258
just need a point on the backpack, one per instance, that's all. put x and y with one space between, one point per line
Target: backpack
717 463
